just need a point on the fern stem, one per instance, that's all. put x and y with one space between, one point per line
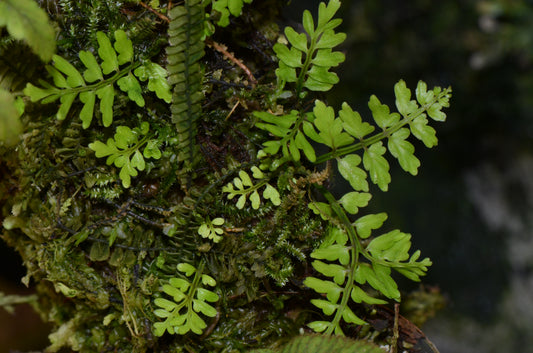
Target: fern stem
355 249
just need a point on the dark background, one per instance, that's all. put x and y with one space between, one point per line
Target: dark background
470 207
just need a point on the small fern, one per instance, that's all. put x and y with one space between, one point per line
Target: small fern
189 300
244 187
124 150
98 80
308 61
210 229
186 48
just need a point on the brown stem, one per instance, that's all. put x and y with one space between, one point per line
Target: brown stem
218 47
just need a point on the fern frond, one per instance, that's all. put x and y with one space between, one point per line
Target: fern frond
185 75
17 65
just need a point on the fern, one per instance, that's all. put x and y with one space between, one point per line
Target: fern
244 187
349 257
98 80
345 246
310 57
185 74
124 151
189 300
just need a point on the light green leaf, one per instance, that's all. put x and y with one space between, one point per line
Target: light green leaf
324 57
404 104
321 208
422 95
157 80
331 270
86 114
422 131
392 246
403 150
332 290
124 47
37 93
152 150
360 296
25 20
290 57
377 166
355 176
381 113
93 72
106 53
326 12
66 102
349 316
272 194
137 161
352 201
327 307
304 145
307 21
332 253
298 40
204 308
330 39
186 268
366 224
107 97
130 85
255 200
434 112
352 122
74 78
319 326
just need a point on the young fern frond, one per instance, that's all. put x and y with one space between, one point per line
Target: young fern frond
98 80
190 299
124 150
244 187
186 30
308 61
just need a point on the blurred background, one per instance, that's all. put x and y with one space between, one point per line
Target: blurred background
471 207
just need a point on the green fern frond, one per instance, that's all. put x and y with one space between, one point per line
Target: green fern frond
17 65
186 48
26 21
98 80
